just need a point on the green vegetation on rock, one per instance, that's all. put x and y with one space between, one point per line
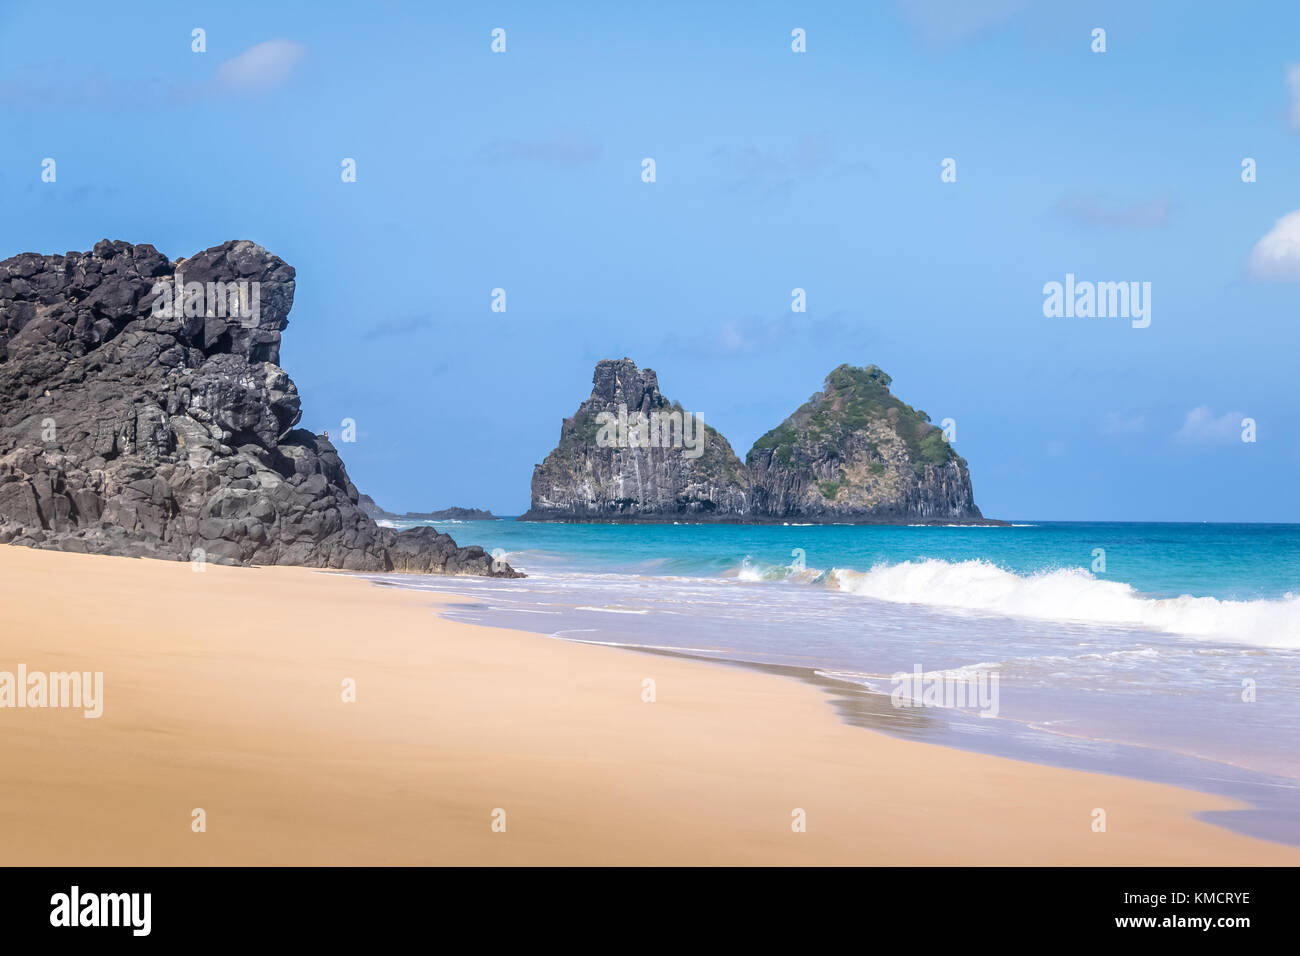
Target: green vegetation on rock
829 489
852 400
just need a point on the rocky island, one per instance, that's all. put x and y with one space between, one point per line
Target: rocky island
628 454
855 453
852 454
143 412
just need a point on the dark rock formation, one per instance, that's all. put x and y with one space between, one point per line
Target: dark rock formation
139 419
628 454
855 453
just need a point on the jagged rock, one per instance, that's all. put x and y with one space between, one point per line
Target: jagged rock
137 421
670 467
855 453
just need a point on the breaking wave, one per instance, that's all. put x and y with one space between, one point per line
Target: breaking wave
1071 594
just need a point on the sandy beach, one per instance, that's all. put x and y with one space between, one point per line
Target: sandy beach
223 690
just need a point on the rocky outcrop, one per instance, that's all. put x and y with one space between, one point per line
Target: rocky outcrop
855 453
143 412
628 454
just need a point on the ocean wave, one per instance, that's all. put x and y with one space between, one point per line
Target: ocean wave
752 571
923 525
1073 594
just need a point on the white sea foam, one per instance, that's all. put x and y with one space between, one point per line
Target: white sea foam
1074 594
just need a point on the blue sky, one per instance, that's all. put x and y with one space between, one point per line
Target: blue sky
820 170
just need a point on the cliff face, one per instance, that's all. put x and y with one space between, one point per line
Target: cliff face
629 454
854 452
135 420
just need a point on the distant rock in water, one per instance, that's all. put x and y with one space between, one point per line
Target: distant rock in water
452 514
369 508
143 419
367 504
854 452
628 454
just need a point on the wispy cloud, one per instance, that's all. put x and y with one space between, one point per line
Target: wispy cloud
751 335
776 171
563 149
40 87
1203 427
1276 257
750 169
1293 88
1105 212
946 22
261 67
398 327
1119 425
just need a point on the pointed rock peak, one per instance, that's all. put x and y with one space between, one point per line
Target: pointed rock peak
620 382
629 454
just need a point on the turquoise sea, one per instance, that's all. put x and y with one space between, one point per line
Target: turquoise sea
1164 651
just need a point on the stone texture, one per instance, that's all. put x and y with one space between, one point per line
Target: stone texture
582 481
126 431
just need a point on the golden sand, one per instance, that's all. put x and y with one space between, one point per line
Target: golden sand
223 691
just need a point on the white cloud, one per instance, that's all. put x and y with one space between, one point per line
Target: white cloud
1201 427
260 67
1276 257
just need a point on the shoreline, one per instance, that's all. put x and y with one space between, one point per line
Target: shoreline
870 710
221 692
800 521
